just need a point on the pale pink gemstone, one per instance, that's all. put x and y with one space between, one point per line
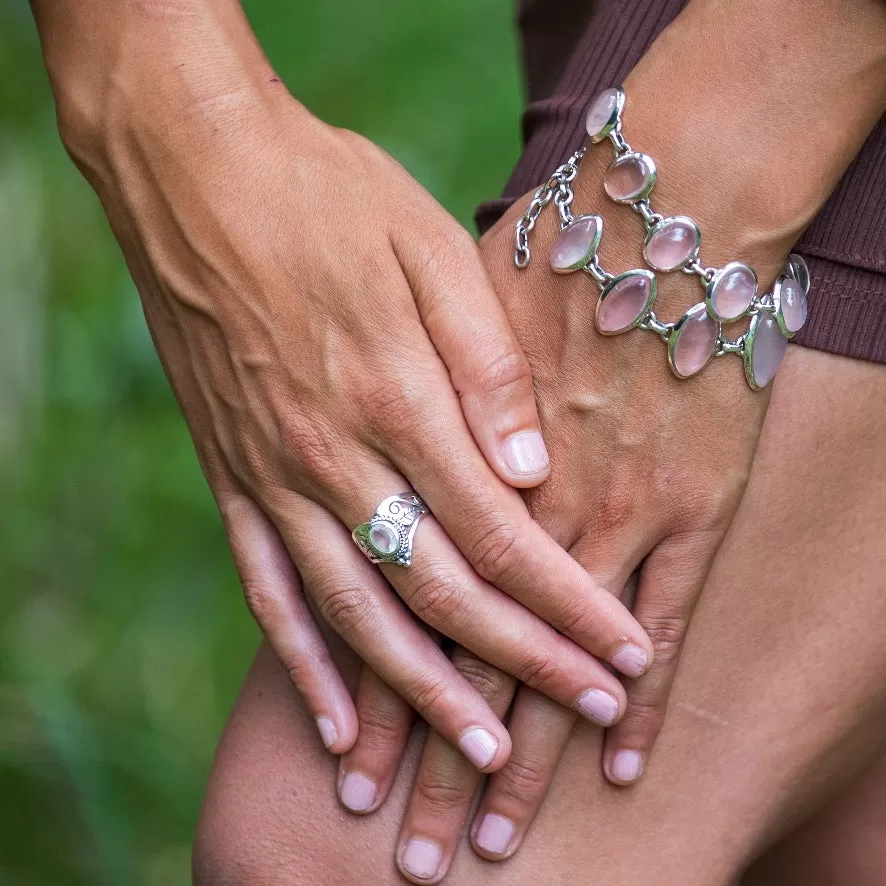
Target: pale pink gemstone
576 244
601 111
622 305
694 342
732 293
768 350
629 177
792 300
384 539
671 243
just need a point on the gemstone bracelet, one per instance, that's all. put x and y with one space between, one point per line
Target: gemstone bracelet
672 244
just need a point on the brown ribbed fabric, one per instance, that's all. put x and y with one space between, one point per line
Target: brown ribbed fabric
846 243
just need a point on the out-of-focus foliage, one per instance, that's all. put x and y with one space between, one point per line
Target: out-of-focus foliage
123 637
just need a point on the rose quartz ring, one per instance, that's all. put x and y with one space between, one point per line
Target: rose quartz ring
387 537
672 243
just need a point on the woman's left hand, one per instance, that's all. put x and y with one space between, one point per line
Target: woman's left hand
647 473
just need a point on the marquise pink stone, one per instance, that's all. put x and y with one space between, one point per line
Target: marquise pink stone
627 177
600 112
574 243
694 345
733 292
671 245
769 348
793 304
623 304
384 538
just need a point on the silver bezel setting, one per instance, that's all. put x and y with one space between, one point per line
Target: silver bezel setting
647 307
748 351
399 513
777 311
711 287
591 252
633 156
673 338
614 121
660 225
799 270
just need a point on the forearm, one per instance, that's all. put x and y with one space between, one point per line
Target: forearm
190 65
752 111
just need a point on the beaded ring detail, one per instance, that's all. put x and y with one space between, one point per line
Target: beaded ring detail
672 243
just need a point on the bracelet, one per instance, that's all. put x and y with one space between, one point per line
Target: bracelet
672 244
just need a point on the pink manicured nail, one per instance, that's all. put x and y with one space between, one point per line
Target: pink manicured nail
598 706
479 746
495 834
626 766
328 732
631 660
525 453
421 858
357 792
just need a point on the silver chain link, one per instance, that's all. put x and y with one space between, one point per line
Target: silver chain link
557 188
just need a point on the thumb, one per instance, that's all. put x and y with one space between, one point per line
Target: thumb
468 326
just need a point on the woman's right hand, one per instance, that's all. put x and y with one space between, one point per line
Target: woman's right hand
333 340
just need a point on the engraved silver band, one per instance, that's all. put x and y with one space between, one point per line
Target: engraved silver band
388 535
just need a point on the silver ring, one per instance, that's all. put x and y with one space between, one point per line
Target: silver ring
387 536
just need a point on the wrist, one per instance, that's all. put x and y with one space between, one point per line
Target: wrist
182 73
746 139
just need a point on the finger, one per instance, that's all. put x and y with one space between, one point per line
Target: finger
471 332
276 599
445 593
445 785
353 597
367 771
671 582
540 730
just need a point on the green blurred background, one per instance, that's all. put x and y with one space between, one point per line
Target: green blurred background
124 636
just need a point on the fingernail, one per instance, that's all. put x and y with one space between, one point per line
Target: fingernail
495 834
631 660
357 792
626 766
599 706
328 732
525 453
421 858
479 746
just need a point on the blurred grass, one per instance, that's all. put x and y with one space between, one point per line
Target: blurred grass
123 638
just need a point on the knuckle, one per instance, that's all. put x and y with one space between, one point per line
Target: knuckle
667 633
381 727
539 671
435 599
425 695
314 446
260 598
643 721
345 608
503 371
491 683
399 403
496 553
441 792
614 509
523 779
575 618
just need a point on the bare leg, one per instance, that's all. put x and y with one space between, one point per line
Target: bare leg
844 842
780 702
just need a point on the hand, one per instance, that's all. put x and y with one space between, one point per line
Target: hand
307 299
638 488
